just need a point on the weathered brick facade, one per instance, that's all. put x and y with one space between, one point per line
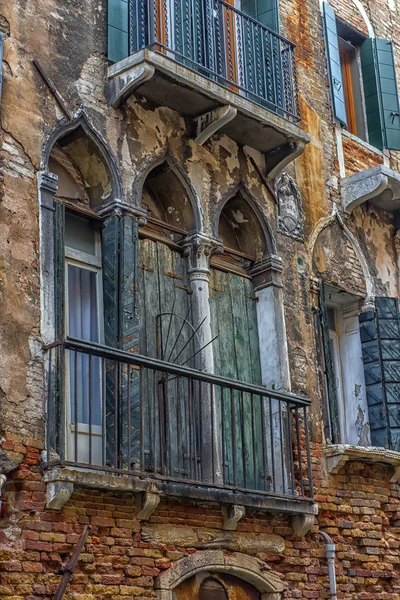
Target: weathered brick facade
358 499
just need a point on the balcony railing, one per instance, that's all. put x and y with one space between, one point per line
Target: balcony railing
216 40
113 411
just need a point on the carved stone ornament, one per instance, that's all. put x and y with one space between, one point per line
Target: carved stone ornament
290 214
232 515
183 536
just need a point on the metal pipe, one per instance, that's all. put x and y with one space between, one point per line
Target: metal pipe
330 550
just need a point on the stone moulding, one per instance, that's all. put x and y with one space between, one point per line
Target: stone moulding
250 569
379 184
338 455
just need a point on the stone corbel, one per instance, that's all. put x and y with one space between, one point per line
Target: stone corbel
302 524
335 462
211 122
3 479
58 493
396 474
368 304
147 502
267 272
232 514
124 79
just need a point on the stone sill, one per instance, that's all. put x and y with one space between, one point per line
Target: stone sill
61 482
338 455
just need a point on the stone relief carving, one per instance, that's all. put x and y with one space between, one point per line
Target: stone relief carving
290 215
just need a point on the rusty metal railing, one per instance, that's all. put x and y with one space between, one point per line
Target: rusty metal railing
124 413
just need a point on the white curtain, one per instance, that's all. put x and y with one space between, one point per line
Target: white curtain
83 323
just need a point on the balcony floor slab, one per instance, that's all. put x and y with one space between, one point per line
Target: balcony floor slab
163 81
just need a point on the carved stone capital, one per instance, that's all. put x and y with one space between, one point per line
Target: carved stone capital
121 209
58 493
368 304
267 272
232 514
302 524
198 248
147 502
47 181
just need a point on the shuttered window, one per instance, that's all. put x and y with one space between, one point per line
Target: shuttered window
380 338
117 30
379 84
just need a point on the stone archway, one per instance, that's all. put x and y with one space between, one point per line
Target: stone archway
245 567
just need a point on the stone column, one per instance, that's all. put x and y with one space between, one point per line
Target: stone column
198 249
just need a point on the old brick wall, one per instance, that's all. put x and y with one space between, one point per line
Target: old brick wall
359 507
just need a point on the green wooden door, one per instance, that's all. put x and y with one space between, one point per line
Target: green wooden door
168 404
237 356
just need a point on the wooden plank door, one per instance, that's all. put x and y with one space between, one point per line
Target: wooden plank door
237 356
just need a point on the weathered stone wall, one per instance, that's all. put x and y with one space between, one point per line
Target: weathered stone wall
359 507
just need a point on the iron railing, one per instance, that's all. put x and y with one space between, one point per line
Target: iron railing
129 414
213 38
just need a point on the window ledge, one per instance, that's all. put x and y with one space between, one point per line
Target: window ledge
339 454
363 143
378 185
61 481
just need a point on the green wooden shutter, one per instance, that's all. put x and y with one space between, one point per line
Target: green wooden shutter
118 44
265 11
381 94
329 371
237 356
334 67
57 435
380 340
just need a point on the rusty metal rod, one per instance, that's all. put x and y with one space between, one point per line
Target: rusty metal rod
53 90
68 570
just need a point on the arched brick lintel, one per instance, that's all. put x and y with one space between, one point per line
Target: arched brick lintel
245 567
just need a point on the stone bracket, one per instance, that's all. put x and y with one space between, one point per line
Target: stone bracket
147 502
396 474
3 479
337 455
124 83
232 514
58 493
379 185
302 524
210 122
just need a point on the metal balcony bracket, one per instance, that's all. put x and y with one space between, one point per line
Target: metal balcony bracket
147 502
378 185
232 514
302 524
210 122
124 82
58 493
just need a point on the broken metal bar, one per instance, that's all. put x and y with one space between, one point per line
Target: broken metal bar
53 90
68 570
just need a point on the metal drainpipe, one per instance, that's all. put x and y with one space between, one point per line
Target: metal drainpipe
330 550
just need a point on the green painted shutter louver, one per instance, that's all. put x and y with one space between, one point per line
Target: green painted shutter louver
329 371
118 45
265 11
334 67
380 340
381 95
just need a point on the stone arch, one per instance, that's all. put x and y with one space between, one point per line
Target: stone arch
249 199
335 219
97 164
365 17
176 169
245 567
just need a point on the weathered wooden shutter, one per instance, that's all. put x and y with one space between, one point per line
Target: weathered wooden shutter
118 19
57 436
329 371
165 331
381 93
380 339
237 356
334 66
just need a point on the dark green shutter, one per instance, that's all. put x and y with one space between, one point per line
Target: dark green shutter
265 11
118 44
57 434
329 371
380 339
334 67
381 95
